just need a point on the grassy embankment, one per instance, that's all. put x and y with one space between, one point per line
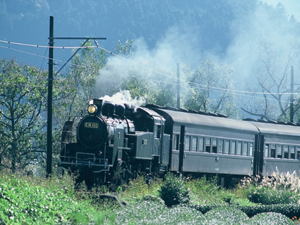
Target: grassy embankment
34 200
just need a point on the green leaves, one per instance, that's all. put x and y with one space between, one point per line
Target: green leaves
174 191
21 106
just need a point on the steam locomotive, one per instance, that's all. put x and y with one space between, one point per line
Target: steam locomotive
115 141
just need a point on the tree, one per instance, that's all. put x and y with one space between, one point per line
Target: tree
210 89
22 98
274 83
84 70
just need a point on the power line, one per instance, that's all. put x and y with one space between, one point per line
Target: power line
46 46
29 53
172 76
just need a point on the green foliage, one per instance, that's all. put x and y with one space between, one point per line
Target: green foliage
270 218
276 189
125 49
268 196
174 191
226 215
204 191
289 210
153 198
202 94
137 188
147 212
22 99
26 200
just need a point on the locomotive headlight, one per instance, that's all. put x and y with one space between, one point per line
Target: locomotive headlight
92 109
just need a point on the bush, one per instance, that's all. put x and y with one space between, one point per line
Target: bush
276 189
148 212
268 196
226 215
289 210
174 191
270 218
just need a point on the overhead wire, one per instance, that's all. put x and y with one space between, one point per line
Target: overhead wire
44 46
171 75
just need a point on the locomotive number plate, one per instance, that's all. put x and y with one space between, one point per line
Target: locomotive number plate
91 125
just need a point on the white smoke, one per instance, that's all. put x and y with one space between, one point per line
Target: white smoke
123 97
158 64
266 26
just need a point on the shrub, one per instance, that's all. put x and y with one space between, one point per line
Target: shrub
276 189
268 196
148 212
223 215
270 218
174 191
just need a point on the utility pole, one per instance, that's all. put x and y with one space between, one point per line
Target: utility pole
292 96
178 86
50 86
50 91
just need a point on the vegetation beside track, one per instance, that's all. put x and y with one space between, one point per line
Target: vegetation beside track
35 200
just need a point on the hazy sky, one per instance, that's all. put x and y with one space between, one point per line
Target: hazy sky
292 6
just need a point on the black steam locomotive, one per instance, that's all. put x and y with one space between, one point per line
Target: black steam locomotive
115 141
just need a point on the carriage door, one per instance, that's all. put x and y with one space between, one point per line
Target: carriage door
258 155
181 148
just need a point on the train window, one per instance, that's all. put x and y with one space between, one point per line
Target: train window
187 143
194 144
207 145
298 152
292 151
232 147
251 149
278 151
201 142
273 155
272 151
239 148
220 145
214 145
285 151
226 146
176 142
245 148
266 154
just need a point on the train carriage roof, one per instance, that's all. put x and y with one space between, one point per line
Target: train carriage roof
279 129
189 118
